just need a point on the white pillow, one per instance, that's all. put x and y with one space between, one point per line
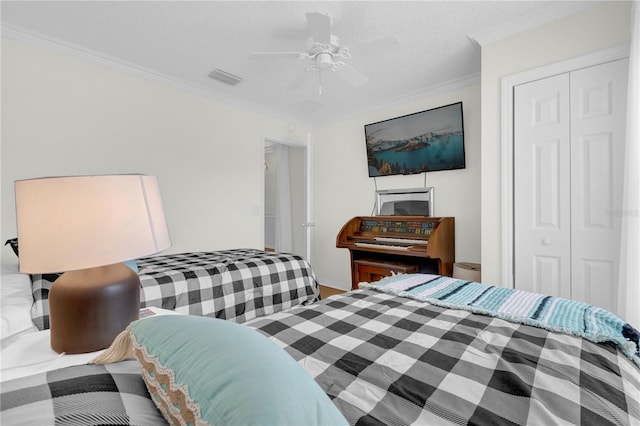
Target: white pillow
15 304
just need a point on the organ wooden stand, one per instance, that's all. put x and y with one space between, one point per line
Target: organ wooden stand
382 245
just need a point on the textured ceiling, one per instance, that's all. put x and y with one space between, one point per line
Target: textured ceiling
185 40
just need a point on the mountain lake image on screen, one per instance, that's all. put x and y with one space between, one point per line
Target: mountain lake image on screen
426 141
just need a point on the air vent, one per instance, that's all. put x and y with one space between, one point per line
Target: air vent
225 77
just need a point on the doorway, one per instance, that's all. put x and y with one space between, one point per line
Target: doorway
286 197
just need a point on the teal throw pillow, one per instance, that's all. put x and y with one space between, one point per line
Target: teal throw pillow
204 370
132 264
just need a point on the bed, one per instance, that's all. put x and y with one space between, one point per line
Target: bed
413 349
237 285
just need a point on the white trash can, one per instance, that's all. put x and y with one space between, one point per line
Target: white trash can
467 271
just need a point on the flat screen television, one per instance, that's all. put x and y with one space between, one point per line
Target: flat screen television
425 141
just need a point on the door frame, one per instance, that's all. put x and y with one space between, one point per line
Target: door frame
308 186
508 84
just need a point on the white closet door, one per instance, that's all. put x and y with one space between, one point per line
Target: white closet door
568 156
542 208
598 110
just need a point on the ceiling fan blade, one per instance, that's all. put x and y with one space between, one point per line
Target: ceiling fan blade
301 78
277 54
352 76
320 27
301 33
375 46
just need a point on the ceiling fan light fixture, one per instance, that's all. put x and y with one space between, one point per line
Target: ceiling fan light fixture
324 53
225 77
324 60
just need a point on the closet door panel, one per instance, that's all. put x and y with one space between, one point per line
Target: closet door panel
542 191
598 109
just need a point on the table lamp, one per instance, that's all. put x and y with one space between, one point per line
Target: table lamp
85 227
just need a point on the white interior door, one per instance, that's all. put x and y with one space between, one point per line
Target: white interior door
598 116
568 156
299 179
542 228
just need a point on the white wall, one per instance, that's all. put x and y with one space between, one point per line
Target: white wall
343 189
595 29
64 115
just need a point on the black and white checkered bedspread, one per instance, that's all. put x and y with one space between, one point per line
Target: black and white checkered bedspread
388 360
236 285
113 394
385 359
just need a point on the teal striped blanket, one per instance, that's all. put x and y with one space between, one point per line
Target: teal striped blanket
551 313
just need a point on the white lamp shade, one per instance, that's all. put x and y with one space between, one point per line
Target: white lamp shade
79 222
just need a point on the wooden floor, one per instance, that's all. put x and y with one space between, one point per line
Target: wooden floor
328 291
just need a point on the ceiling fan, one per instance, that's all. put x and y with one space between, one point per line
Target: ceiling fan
325 53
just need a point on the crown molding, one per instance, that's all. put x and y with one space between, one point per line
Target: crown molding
548 14
24 35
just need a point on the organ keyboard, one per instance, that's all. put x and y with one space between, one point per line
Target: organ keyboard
382 245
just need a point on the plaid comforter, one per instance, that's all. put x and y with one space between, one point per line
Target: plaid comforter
386 359
112 394
236 285
520 306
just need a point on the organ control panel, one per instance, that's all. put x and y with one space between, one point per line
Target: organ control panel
382 245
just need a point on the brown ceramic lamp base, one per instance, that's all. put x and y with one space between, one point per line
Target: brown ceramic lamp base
89 307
